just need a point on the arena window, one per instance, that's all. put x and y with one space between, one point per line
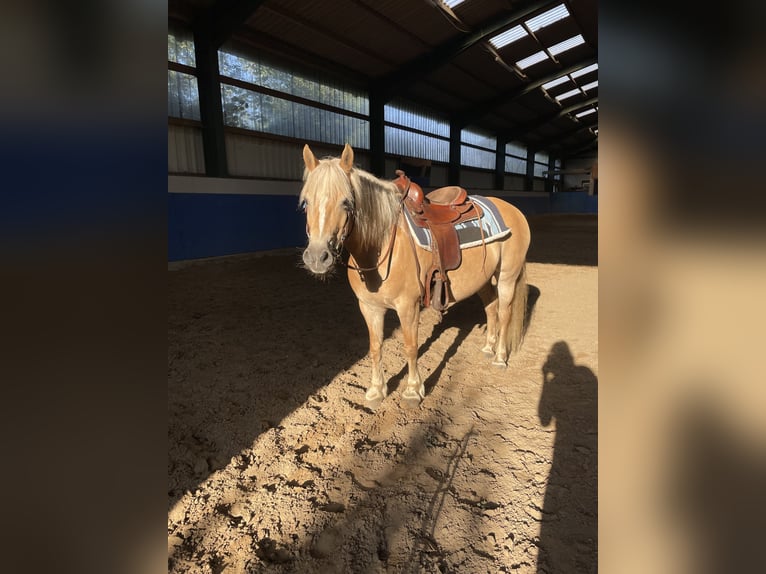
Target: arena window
263 95
183 93
515 158
477 149
414 131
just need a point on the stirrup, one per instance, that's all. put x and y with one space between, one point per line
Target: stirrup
439 292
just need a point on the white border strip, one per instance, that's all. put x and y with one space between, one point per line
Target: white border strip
235 186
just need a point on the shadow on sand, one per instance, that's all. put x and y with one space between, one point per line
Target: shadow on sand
568 531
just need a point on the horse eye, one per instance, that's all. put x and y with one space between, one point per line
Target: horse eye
304 204
347 205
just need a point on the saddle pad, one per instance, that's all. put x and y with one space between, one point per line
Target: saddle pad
468 233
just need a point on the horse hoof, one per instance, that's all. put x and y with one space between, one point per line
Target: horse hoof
488 352
411 402
500 364
374 403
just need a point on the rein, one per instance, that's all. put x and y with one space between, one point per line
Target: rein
389 249
382 259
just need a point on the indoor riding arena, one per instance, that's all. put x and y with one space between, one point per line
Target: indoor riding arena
276 460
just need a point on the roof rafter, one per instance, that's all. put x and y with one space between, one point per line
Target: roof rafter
223 18
519 131
553 140
574 149
397 82
475 113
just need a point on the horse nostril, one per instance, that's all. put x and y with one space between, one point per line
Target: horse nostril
318 259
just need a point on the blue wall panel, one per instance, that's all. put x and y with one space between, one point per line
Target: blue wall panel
574 202
529 205
209 225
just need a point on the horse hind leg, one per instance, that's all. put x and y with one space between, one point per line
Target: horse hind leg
378 389
512 303
488 296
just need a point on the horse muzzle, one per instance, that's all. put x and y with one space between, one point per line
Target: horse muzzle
318 259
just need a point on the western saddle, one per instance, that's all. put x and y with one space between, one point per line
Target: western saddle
439 212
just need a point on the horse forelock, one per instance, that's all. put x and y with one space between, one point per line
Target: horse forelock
325 190
326 180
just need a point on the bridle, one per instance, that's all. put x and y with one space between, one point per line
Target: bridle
339 244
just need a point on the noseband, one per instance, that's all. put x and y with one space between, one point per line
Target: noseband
336 246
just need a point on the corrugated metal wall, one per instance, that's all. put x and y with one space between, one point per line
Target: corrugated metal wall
270 159
471 179
514 182
185 153
439 175
254 157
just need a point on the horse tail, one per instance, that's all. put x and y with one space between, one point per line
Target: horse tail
518 309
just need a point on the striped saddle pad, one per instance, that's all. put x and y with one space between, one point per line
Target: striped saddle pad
469 233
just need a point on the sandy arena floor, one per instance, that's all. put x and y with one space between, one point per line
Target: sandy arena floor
275 465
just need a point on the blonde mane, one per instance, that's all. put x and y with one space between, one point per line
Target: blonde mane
376 204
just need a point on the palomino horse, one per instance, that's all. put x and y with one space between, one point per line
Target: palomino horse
349 208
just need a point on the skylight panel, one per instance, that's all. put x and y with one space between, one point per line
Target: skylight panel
453 3
515 33
532 60
568 94
590 86
586 70
567 44
556 82
585 113
547 18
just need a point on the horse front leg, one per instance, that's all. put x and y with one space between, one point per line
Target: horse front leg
409 317
374 317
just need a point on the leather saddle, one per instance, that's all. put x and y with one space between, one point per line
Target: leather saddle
439 211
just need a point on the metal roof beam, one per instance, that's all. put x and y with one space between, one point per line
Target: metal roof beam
478 111
223 18
574 149
519 131
551 141
397 82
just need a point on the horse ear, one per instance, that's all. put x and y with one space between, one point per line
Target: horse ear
347 159
309 158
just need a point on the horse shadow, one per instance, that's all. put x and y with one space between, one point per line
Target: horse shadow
568 529
244 353
533 294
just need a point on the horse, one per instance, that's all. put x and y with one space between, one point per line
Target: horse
349 208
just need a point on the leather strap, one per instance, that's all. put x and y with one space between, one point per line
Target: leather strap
382 259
